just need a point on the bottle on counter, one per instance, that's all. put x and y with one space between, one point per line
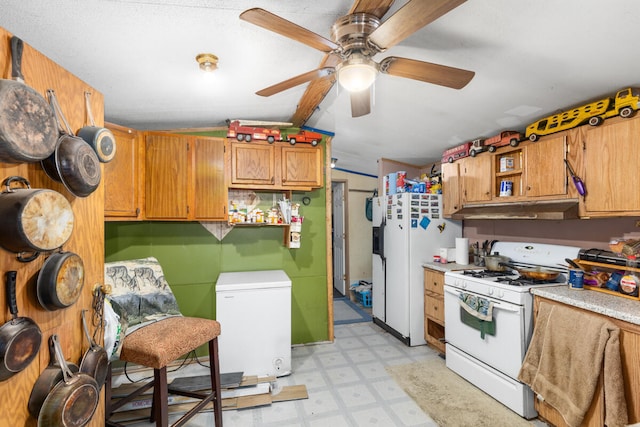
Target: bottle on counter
631 280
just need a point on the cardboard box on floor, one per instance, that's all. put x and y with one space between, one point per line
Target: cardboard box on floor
253 391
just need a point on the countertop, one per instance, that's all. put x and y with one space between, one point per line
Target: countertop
450 266
613 306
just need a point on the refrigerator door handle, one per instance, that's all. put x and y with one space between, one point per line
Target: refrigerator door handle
383 225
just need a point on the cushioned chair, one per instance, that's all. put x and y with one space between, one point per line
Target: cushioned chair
157 334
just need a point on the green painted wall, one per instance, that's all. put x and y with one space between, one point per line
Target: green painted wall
192 258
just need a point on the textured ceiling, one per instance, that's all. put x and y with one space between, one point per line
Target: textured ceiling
531 59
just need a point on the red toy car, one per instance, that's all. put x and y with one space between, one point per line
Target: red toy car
246 133
307 136
456 153
507 137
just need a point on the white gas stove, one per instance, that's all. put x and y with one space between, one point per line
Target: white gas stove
489 355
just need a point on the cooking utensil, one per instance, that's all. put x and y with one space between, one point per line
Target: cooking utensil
535 273
99 138
72 401
576 180
51 376
28 131
74 162
95 361
33 220
496 262
60 281
20 338
572 263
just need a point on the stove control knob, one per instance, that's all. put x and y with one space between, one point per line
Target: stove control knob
500 294
490 291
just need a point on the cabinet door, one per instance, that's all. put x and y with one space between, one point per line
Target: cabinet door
434 307
210 190
301 166
545 168
121 177
450 188
476 178
167 172
434 281
611 171
252 163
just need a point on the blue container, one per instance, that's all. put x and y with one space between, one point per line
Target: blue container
393 182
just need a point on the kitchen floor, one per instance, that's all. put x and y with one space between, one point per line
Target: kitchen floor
346 381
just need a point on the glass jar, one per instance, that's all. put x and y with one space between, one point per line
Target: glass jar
631 280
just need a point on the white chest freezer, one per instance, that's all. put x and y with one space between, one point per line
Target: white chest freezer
254 311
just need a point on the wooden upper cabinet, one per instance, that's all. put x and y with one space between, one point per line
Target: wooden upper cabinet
611 173
253 163
122 180
451 200
545 168
263 166
301 166
184 177
210 191
475 177
167 170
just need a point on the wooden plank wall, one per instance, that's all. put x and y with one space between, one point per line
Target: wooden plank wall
87 239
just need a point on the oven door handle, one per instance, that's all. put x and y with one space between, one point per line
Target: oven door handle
496 304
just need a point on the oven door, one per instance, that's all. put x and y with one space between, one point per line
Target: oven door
504 350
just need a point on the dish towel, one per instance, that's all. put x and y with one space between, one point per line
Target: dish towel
476 306
477 312
569 351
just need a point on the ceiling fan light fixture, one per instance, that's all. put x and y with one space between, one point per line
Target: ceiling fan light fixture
357 73
207 62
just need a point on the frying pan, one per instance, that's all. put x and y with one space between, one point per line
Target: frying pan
74 162
95 361
99 138
73 400
48 379
20 338
535 273
28 130
60 281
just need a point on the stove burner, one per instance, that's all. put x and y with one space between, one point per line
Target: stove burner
524 281
486 273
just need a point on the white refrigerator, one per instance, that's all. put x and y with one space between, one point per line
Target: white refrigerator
408 230
254 311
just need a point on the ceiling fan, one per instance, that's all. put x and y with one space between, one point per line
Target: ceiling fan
356 39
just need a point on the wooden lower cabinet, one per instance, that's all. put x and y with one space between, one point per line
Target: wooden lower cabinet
434 308
630 355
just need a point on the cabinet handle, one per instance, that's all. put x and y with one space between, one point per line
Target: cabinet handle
273 180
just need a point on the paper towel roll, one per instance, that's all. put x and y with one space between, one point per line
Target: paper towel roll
462 250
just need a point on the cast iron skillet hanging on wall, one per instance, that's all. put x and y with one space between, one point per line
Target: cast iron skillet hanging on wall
60 281
74 162
100 139
28 130
20 337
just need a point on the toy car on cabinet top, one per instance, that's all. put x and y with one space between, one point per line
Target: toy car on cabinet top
624 104
243 130
456 153
303 135
507 137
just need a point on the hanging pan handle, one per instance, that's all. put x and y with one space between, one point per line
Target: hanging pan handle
87 101
53 101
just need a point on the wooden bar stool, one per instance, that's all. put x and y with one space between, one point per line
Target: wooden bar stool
157 344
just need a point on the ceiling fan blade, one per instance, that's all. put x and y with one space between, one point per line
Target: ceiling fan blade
409 19
442 75
268 20
377 8
361 103
297 80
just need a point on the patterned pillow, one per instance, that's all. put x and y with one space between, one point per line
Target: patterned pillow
140 290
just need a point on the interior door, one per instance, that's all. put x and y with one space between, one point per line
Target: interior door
338 237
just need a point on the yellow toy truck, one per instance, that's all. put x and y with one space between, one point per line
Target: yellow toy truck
624 104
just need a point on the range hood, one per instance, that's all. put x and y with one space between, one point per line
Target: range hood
551 209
